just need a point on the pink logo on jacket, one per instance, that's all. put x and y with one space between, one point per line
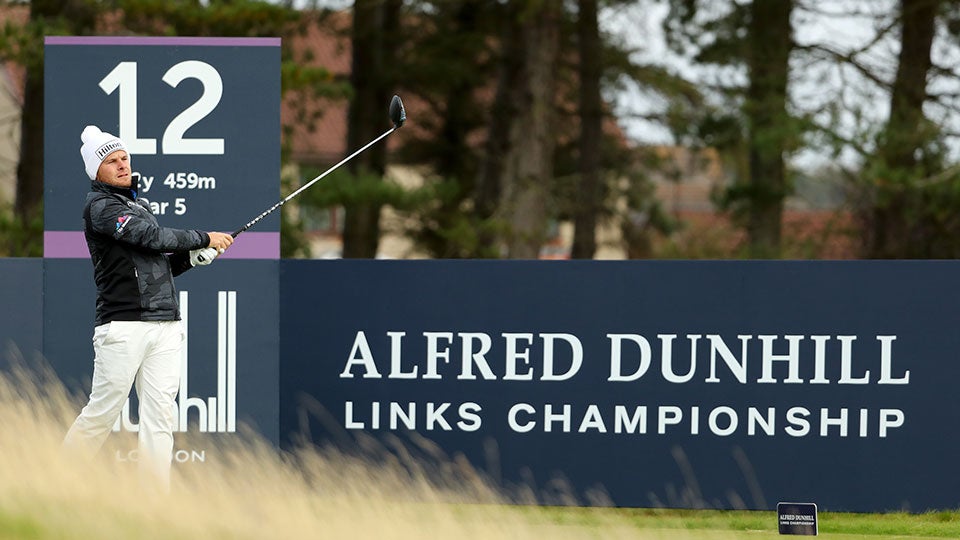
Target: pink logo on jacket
122 222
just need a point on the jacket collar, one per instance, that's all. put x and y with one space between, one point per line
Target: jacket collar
129 193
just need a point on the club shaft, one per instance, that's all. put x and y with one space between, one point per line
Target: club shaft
310 183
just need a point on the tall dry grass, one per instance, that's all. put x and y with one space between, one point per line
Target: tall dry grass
249 491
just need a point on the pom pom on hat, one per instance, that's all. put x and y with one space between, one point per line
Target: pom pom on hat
97 145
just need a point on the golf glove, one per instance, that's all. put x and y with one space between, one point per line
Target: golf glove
203 256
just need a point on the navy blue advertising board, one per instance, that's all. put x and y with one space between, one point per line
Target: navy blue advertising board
675 384
201 120
230 364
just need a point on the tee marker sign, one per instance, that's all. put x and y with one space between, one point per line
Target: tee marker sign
797 518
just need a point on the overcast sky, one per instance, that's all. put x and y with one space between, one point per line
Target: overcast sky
844 25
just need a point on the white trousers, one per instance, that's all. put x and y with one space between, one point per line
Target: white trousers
149 355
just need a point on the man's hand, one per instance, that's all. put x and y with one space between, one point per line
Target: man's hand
220 241
203 257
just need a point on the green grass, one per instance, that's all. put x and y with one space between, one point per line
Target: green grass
754 523
554 522
23 527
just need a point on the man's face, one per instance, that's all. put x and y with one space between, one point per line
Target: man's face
115 170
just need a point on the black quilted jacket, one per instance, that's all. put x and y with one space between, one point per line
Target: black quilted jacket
134 258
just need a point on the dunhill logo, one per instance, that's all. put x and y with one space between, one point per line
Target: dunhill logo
216 414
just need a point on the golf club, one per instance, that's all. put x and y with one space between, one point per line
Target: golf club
397 115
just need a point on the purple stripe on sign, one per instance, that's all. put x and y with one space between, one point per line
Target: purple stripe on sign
65 245
146 40
258 245
249 245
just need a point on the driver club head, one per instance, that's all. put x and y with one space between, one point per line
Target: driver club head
397 113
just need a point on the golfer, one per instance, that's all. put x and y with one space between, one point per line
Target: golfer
138 335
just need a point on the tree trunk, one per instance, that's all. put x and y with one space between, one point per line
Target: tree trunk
454 150
503 112
456 160
889 236
373 43
29 193
591 120
529 167
770 39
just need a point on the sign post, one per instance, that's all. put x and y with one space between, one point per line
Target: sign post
201 119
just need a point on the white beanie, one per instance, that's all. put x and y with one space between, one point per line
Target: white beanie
97 145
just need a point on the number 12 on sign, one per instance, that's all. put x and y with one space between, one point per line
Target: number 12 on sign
123 78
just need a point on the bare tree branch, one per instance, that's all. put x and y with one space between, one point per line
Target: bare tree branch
846 58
